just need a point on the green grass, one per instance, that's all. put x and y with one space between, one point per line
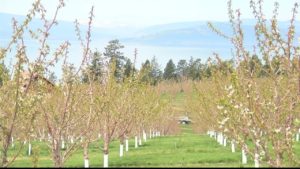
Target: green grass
184 150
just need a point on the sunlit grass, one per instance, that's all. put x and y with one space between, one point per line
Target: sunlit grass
184 150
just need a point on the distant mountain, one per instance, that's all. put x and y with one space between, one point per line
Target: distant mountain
184 34
197 34
168 41
63 31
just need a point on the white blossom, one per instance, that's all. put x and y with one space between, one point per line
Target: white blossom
220 107
228 88
249 85
277 130
230 93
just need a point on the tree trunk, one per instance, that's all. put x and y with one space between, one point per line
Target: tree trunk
86 163
216 135
5 144
256 160
72 140
233 146
140 140
126 144
220 139
4 157
86 155
29 148
105 161
57 158
105 152
256 156
57 155
121 150
279 158
62 144
12 142
244 157
122 146
135 142
144 136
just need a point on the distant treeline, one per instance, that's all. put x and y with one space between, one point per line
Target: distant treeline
192 69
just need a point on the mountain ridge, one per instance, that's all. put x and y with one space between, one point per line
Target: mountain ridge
180 34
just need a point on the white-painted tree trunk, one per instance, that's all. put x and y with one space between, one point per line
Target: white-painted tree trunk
140 141
244 157
85 154
105 161
220 138
49 137
126 145
121 150
12 142
63 144
72 140
233 146
144 136
256 160
225 142
29 149
86 163
150 134
297 137
135 142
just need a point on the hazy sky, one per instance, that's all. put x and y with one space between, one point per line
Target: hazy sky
146 12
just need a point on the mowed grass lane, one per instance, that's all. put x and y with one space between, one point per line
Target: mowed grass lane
184 150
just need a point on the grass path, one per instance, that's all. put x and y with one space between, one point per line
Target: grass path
184 150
